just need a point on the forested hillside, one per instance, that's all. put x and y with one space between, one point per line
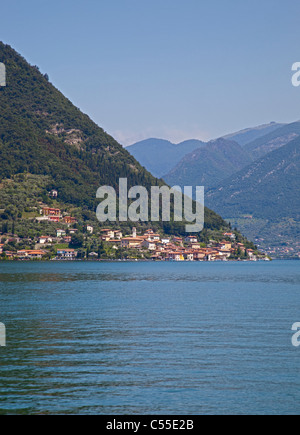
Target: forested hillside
209 165
43 134
264 198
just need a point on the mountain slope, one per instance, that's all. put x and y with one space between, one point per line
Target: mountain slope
43 134
248 135
268 191
266 188
273 140
209 165
159 156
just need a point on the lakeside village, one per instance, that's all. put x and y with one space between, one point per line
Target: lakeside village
73 243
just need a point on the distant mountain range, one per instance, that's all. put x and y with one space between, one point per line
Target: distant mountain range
267 188
274 140
248 135
209 165
159 156
218 160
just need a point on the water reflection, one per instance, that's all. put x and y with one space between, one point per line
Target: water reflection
149 338
197 276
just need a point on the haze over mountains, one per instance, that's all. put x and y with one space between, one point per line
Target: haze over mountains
159 156
248 135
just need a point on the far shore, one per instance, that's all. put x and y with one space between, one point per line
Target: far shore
144 261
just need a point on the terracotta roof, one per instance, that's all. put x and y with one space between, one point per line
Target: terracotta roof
137 239
38 252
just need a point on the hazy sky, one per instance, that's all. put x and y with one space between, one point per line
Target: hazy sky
174 69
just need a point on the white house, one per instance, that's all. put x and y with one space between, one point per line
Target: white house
54 193
45 239
67 254
152 236
118 235
60 233
189 256
107 234
191 239
231 235
149 244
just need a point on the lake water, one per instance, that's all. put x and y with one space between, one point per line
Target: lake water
149 338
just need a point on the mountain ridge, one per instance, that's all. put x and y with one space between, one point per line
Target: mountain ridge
245 136
159 155
209 165
281 163
274 140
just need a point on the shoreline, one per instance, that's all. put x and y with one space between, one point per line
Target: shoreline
145 261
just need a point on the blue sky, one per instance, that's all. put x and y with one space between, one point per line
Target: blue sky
175 69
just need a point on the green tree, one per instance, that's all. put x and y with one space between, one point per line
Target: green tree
101 250
77 241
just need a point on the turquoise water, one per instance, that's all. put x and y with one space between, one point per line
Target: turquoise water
149 338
